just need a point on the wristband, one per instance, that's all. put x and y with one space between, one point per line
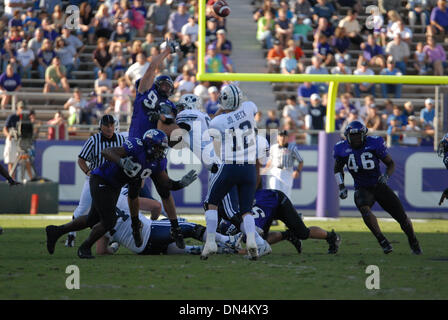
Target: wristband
339 178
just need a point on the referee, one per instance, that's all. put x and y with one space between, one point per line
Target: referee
91 153
282 156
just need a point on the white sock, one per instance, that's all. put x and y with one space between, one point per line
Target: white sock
221 238
249 223
211 218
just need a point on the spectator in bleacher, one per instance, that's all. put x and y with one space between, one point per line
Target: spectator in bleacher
408 109
212 105
293 111
77 106
305 90
323 50
11 6
283 4
315 119
340 118
187 84
102 58
45 56
7 53
399 50
345 103
364 87
49 30
66 54
324 9
122 101
266 29
191 28
427 114
211 30
140 7
372 52
323 27
387 5
289 64
301 7
158 15
16 22
102 85
404 32
341 68
418 10
298 54
274 57
428 135
259 120
119 35
55 77
283 27
301 30
178 19
73 41
48 5
223 45
271 124
261 12
10 82
60 123
394 131
438 19
398 114
148 44
87 23
186 72
16 38
420 59
30 23
25 57
137 70
135 49
36 43
58 18
392 17
103 22
317 68
118 63
411 127
373 120
386 88
216 62
187 47
436 56
352 27
369 101
340 44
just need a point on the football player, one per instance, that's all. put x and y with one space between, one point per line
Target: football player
362 155
234 130
136 160
155 234
6 175
152 107
442 151
275 205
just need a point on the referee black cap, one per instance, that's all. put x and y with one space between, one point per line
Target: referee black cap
107 119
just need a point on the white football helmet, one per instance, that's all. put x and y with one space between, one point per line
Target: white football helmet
191 101
230 97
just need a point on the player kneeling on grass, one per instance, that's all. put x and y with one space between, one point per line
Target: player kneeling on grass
362 155
136 160
155 234
273 205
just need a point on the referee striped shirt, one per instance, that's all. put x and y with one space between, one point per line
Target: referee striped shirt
284 157
91 151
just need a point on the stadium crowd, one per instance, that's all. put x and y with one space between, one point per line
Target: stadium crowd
301 36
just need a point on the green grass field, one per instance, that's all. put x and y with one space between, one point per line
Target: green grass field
27 271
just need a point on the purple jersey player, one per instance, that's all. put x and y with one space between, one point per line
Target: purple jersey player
362 155
442 151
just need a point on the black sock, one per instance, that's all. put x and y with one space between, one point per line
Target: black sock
174 223
380 237
408 230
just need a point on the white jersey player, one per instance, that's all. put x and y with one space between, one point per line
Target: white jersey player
155 234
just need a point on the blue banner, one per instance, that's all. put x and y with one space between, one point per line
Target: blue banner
419 178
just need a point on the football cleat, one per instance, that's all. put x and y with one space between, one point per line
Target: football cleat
137 234
387 248
334 240
52 237
224 249
234 242
113 247
194 250
85 253
265 249
70 242
415 246
251 246
210 248
177 236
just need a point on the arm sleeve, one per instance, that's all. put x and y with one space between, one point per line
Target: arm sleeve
297 154
381 149
86 151
131 146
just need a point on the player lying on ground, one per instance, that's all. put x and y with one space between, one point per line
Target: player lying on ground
155 235
275 205
130 164
442 151
362 155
